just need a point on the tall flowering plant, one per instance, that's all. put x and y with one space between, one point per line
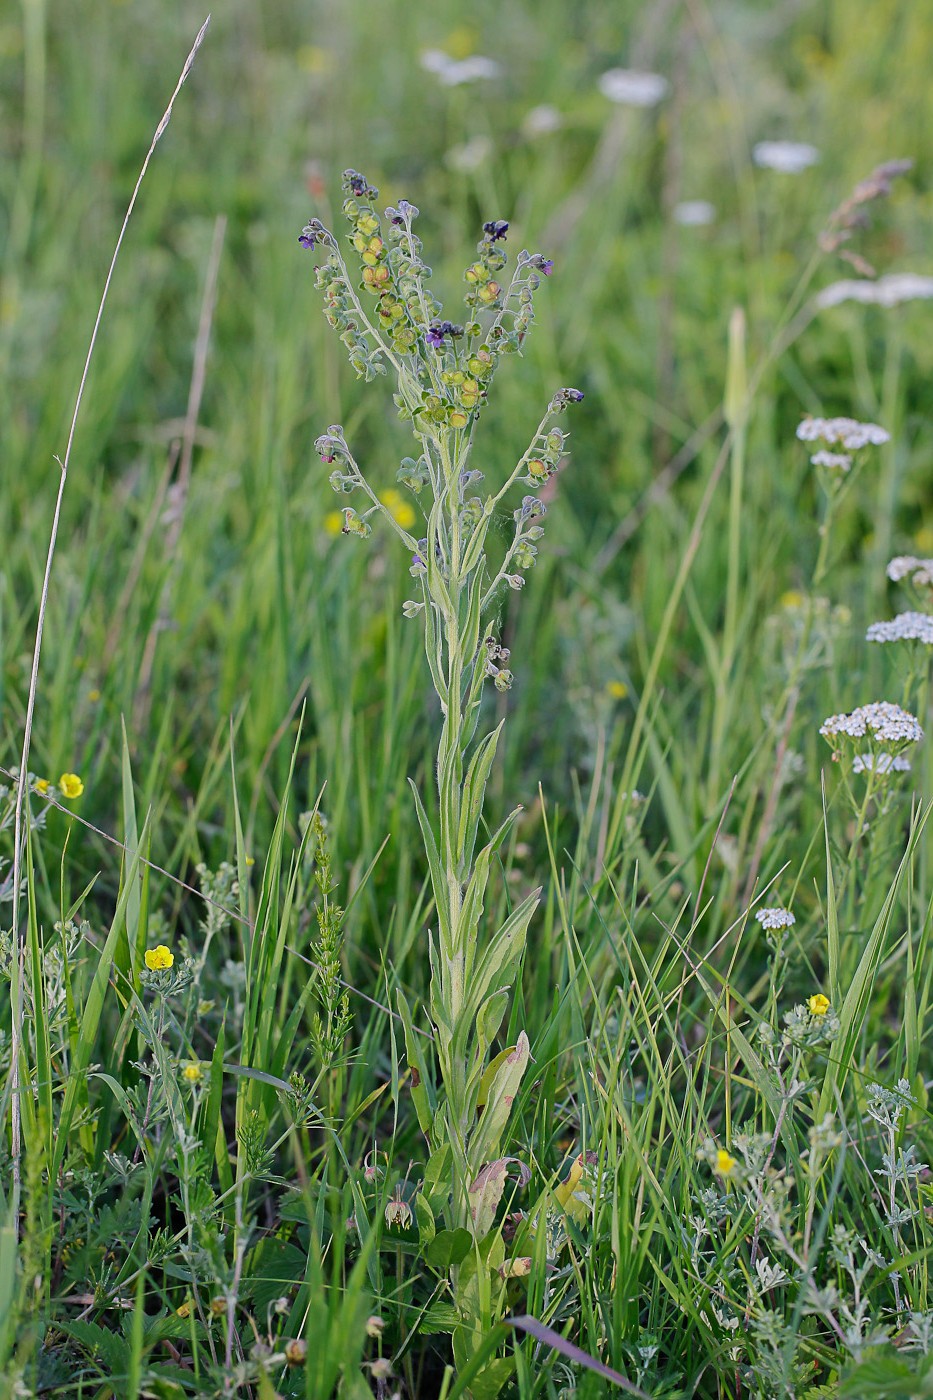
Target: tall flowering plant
389 319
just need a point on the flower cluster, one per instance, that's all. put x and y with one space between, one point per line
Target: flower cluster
906 627
787 157
832 461
811 1025
919 572
846 432
886 728
444 372
882 763
775 918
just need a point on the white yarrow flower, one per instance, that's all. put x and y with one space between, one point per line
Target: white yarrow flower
881 763
789 157
470 155
919 571
847 432
890 290
882 721
832 461
452 72
541 121
694 213
906 627
775 918
631 88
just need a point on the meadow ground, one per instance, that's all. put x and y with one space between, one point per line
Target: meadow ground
666 1130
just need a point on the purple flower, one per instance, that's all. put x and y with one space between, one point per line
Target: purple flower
494 230
306 240
437 330
547 266
357 184
563 397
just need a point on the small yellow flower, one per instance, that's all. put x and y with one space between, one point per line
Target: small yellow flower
923 539
333 522
250 860
461 41
617 689
793 598
313 59
42 786
158 958
725 1162
93 696
818 1005
400 509
70 786
184 1310
193 1072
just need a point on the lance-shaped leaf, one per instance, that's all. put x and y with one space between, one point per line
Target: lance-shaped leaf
474 790
485 1194
488 1134
438 881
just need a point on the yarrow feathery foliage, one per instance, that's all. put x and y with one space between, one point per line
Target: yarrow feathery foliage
388 317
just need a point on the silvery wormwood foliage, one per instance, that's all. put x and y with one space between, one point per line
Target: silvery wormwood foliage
388 318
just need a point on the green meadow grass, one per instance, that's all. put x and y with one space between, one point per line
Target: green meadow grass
217 663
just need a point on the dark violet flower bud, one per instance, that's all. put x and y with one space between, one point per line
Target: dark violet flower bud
563 397
495 229
357 184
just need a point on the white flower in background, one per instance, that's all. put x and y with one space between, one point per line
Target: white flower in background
541 121
880 763
919 571
470 156
452 71
832 461
881 720
890 290
631 88
847 432
775 918
694 213
906 627
790 157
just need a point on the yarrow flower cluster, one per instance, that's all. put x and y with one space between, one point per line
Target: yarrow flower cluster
882 763
787 157
846 432
906 627
919 571
631 88
882 721
890 290
776 918
832 461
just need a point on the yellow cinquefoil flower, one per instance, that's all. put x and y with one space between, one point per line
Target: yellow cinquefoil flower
70 785
192 1071
725 1162
818 1005
398 507
159 957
